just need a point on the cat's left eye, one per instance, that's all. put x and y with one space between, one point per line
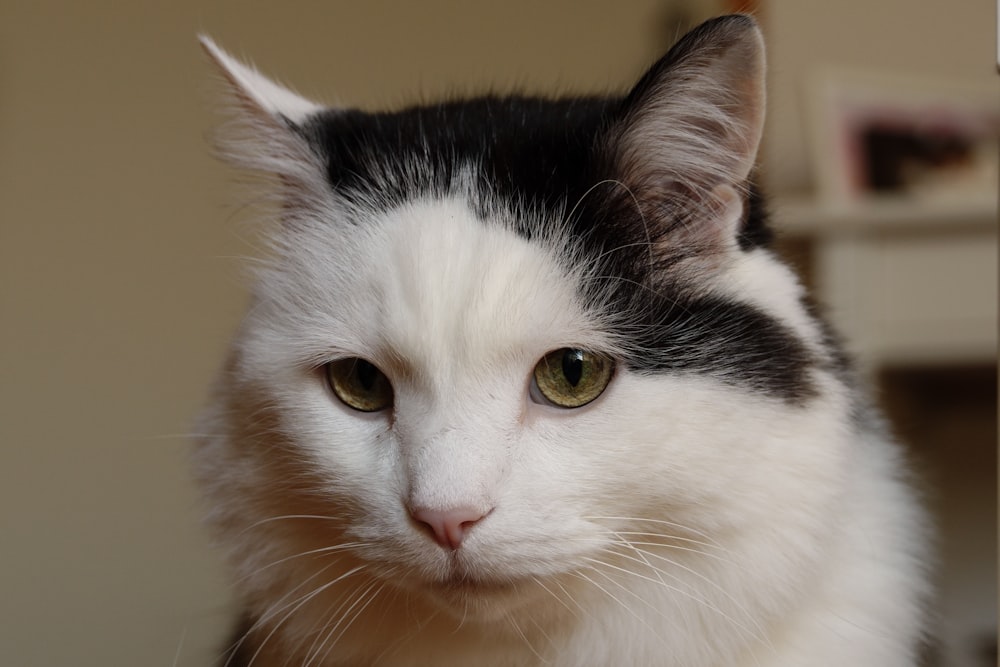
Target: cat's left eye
570 377
359 384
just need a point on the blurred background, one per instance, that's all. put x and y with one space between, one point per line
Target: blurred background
121 279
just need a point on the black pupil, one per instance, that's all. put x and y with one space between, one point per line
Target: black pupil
572 366
366 373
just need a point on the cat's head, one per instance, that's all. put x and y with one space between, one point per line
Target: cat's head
509 348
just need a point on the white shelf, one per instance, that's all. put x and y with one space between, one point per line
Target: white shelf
808 216
906 281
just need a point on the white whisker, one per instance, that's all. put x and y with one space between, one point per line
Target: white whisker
527 642
180 647
613 597
756 633
548 590
295 607
332 549
672 538
284 517
342 616
661 522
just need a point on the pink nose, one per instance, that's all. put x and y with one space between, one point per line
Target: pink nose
449 527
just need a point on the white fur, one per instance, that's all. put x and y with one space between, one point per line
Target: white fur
265 93
676 520
787 518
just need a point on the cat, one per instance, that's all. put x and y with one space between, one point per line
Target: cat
523 383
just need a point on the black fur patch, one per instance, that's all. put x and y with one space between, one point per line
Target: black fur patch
519 148
546 156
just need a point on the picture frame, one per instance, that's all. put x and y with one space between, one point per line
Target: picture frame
878 134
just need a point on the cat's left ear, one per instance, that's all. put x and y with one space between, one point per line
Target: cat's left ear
690 129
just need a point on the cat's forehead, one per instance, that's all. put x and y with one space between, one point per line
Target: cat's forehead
455 289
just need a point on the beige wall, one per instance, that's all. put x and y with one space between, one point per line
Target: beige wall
949 40
119 269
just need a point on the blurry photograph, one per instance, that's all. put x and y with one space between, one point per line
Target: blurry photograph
878 134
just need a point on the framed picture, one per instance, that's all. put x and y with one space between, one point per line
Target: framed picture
876 134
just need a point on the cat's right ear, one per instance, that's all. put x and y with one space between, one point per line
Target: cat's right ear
262 130
256 92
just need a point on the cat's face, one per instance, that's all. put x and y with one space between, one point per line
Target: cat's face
463 314
457 390
458 315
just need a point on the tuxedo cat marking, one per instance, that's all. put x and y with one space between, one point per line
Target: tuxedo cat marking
523 384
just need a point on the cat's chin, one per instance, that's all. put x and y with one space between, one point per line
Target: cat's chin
482 599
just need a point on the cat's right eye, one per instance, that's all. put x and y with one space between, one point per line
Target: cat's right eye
359 384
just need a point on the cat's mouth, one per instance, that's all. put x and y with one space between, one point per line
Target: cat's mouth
461 584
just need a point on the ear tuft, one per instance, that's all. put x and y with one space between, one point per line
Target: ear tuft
257 91
262 133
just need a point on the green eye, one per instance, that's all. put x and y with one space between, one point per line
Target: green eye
570 378
359 384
